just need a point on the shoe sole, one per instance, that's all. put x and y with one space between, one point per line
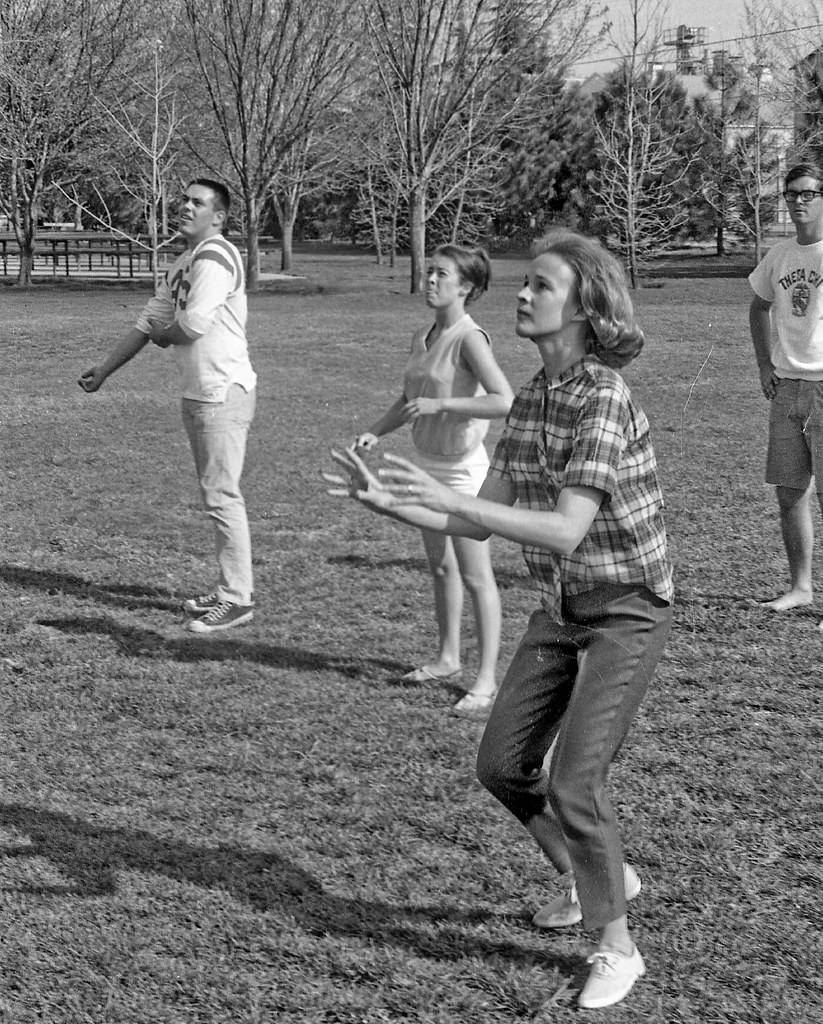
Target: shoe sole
196 626
631 894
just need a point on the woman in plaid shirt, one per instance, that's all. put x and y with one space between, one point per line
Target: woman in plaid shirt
574 481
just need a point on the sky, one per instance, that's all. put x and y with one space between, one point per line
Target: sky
722 19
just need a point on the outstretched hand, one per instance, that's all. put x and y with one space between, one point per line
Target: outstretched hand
402 483
358 483
410 485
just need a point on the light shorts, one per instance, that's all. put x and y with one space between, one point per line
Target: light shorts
463 473
795 452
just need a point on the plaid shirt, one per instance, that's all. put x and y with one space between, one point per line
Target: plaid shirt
581 429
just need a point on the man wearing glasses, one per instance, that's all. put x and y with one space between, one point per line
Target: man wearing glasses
786 322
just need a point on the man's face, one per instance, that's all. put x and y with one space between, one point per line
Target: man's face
801 210
198 217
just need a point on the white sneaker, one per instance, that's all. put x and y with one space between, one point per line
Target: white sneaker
564 910
611 978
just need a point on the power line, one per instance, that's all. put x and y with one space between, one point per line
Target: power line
710 43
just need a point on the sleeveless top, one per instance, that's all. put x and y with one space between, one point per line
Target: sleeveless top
438 372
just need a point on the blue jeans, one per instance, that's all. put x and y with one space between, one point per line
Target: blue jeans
217 433
580 681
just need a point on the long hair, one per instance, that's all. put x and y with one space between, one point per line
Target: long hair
473 266
614 337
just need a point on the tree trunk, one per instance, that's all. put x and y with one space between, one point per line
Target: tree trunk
375 222
26 235
417 238
287 232
252 205
26 265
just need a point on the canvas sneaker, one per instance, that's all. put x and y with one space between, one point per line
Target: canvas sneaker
564 910
611 978
200 605
223 615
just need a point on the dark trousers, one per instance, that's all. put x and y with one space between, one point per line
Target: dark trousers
579 682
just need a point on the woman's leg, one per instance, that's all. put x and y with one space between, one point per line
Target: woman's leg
522 726
621 633
474 561
448 600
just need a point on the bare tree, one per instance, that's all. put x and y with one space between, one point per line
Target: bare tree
55 59
641 164
271 70
147 130
442 66
305 170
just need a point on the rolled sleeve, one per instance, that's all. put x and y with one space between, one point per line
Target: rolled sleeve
599 442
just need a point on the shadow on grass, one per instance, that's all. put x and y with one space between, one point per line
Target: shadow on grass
134 641
121 594
90 857
505 577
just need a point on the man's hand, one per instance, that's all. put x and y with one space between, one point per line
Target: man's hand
768 380
90 380
157 334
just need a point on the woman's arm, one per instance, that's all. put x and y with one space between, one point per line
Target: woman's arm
477 354
391 419
405 492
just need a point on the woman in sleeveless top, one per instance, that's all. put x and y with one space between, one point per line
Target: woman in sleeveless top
452 389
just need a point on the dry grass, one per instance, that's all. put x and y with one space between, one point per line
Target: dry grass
266 827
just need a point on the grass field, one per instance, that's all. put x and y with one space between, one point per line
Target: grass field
266 827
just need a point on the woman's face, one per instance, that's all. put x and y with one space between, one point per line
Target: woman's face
444 286
548 301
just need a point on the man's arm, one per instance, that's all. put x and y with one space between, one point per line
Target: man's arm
760 325
134 341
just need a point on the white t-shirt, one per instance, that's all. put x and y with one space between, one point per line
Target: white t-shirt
204 291
790 276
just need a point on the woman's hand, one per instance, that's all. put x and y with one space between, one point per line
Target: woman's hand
359 483
421 407
366 442
410 485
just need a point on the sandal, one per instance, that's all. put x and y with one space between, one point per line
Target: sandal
425 675
474 705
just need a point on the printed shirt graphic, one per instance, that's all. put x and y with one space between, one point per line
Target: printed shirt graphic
790 276
204 290
582 429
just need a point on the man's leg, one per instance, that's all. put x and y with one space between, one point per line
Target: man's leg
789 466
798 539
217 433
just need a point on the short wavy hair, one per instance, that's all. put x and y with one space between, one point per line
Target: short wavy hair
614 337
473 266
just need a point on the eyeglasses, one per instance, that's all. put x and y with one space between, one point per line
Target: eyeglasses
806 194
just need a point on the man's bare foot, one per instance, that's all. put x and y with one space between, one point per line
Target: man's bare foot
795 598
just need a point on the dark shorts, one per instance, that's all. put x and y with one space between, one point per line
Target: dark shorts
796 435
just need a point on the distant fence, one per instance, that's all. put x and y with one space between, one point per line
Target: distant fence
80 254
94 254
